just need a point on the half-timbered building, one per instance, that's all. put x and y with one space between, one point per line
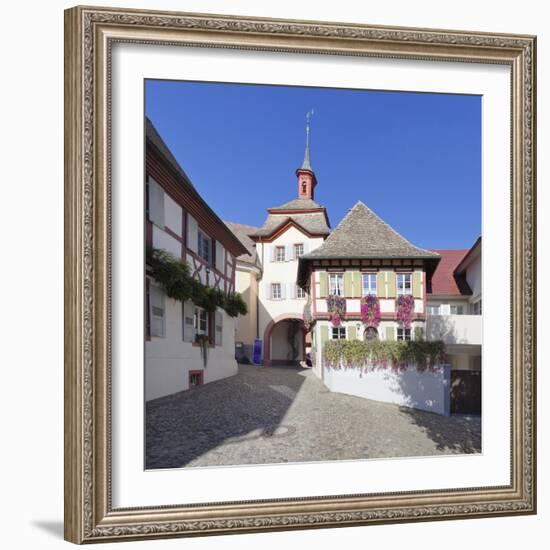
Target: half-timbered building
178 220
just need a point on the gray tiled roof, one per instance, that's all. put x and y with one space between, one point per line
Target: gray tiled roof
362 234
315 223
298 204
242 232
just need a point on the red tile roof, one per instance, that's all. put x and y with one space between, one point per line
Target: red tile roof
444 280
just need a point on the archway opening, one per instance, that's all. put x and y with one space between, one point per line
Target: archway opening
287 343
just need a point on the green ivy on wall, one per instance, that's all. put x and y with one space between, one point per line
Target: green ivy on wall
173 274
383 354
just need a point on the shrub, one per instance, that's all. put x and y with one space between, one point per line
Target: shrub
383 354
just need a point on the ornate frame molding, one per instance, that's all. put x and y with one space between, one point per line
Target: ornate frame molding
89 34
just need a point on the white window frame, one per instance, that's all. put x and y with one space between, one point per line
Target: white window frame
280 253
403 291
336 284
273 286
201 313
301 248
338 333
430 307
300 293
202 239
404 334
456 307
370 277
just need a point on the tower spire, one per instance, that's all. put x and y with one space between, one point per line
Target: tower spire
306 177
306 165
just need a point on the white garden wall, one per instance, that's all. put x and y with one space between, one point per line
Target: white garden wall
426 390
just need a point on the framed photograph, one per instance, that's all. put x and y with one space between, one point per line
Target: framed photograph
300 274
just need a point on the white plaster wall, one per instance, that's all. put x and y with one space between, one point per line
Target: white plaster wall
281 272
162 240
172 215
353 306
168 360
455 329
387 306
192 233
427 391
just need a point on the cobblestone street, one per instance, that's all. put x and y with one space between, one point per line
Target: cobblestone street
278 414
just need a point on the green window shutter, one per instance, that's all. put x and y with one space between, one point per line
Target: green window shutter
348 284
417 284
352 332
418 333
391 284
381 284
390 333
356 284
324 284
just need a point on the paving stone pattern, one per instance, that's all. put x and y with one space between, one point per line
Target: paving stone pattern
285 414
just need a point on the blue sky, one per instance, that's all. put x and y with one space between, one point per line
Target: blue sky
413 158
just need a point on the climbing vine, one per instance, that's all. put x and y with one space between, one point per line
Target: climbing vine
173 274
383 354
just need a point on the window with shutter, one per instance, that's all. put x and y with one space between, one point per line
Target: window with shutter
336 284
404 334
276 292
369 284
157 313
404 284
204 247
201 321
280 253
338 333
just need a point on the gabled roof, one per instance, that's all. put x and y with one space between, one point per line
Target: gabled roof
445 280
473 253
313 224
298 204
242 232
362 234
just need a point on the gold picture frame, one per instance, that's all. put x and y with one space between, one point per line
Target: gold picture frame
89 35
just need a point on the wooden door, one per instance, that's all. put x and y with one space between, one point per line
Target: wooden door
466 391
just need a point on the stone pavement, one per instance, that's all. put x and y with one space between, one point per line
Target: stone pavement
285 414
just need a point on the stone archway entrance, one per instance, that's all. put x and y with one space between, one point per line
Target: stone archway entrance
284 342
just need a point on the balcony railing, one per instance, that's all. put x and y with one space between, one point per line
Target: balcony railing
454 329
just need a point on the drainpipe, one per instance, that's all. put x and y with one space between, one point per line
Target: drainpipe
258 297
